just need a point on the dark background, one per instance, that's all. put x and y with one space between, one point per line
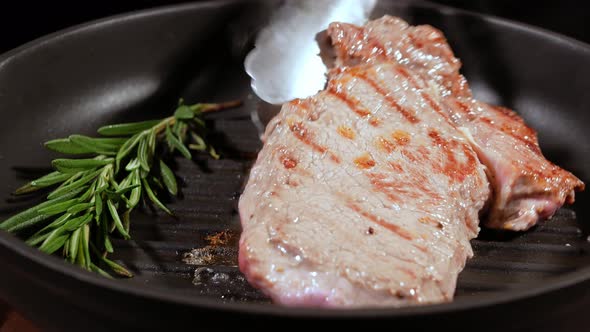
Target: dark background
22 21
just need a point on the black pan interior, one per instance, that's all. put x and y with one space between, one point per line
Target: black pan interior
135 67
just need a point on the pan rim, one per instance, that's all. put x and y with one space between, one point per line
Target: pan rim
171 296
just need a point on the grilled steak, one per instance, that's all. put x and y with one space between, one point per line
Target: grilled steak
363 195
368 193
526 186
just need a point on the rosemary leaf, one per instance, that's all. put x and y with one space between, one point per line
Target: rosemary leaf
184 112
126 219
65 145
95 142
88 194
80 257
125 189
111 264
85 236
42 182
152 142
142 154
213 153
176 143
107 244
100 271
78 165
118 269
127 147
33 241
153 197
117 219
168 178
41 235
98 205
132 164
124 129
79 208
96 145
135 192
55 243
74 245
30 216
58 208
72 224
74 185
200 142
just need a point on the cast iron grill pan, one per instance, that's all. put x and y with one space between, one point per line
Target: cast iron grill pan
133 67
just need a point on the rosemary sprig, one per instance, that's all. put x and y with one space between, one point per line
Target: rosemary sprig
94 195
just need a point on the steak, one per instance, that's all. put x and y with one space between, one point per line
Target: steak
526 186
368 193
365 194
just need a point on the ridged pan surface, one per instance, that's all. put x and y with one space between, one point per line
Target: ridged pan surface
135 66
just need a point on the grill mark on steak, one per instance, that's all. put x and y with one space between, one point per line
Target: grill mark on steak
386 96
508 131
364 161
431 221
378 183
416 41
423 183
401 137
346 132
288 161
353 103
385 144
382 222
432 103
410 155
454 169
374 45
303 107
419 87
465 110
526 134
392 189
303 134
523 133
402 71
396 167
